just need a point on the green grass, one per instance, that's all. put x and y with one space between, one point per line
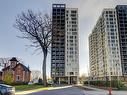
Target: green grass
27 87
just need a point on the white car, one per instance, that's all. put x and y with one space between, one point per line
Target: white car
7 90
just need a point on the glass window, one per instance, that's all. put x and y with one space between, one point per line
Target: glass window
18 78
73 11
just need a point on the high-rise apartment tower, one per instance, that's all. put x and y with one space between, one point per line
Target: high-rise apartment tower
122 29
65 45
104 48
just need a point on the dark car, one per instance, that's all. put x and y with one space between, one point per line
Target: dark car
7 90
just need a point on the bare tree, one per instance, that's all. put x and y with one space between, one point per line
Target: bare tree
82 78
38 29
35 74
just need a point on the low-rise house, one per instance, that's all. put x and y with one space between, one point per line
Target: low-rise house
18 72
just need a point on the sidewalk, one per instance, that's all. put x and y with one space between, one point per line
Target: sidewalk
97 91
93 88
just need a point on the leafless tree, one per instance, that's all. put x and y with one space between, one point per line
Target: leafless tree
82 78
38 29
35 74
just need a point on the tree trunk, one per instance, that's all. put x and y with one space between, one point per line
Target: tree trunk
44 68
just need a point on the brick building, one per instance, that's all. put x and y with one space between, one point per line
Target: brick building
19 72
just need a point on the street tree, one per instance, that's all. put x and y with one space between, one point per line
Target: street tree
8 78
37 28
35 74
82 78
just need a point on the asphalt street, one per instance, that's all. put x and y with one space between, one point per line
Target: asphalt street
64 91
71 90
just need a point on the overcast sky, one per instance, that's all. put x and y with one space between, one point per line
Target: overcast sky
10 45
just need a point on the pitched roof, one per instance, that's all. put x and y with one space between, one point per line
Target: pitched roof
24 67
14 59
6 68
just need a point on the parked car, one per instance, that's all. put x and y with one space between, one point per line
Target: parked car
7 90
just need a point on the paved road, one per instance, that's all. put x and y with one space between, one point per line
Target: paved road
64 91
70 90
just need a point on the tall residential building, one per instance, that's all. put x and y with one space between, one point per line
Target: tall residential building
104 49
72 45
122 28
58 44
65 45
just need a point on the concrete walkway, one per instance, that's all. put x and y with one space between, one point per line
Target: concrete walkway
93 88
97 91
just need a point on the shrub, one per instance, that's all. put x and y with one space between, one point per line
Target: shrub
8 78
114 83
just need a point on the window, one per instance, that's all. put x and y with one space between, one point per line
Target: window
74 25
112 33
110 15
112 29
71 41
110 12
73 15
71 73
74 33
112 41
111 22
73 18
71 37
18 78
73 22
73 11
112 37
111 19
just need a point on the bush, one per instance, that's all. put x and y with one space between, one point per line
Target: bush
114 83
8 78
18 83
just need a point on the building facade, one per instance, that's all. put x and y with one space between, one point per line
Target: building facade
122 28
72 45
17 72
64 52
104 48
